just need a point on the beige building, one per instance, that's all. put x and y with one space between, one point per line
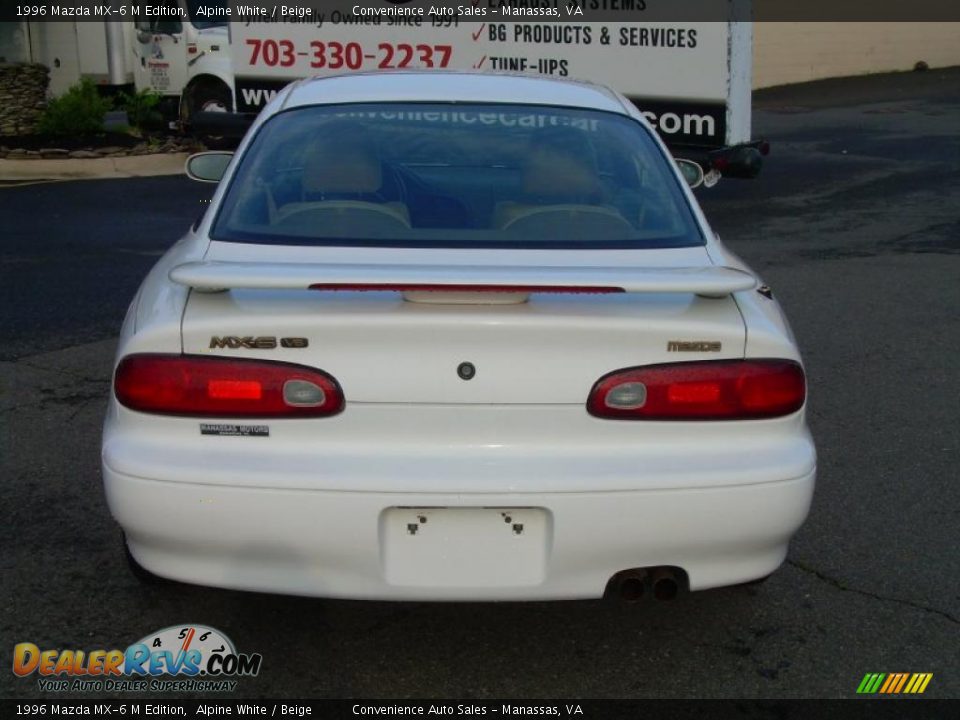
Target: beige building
792 52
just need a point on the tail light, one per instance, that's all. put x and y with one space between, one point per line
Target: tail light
221 387
466 287
711 390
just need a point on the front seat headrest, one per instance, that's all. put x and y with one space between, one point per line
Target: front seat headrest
561 163
344 159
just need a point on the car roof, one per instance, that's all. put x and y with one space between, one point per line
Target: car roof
452 86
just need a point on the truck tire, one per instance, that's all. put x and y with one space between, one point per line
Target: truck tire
205 96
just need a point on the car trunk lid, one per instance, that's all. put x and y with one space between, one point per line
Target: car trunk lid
528 338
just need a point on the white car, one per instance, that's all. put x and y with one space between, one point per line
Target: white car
454 336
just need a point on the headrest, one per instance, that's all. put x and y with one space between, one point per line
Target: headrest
344 159
560 164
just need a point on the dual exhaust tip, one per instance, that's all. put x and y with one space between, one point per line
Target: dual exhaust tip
635 584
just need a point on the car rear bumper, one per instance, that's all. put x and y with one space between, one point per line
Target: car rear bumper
336 543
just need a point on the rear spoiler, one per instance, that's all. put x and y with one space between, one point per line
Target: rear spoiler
216 276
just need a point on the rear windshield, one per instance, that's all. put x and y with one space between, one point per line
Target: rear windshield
455 175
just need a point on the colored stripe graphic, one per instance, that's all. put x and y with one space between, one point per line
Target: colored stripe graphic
886 685
891 683
922 680
870 683
894 683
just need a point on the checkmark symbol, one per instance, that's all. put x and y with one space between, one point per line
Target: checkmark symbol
480 64
476 35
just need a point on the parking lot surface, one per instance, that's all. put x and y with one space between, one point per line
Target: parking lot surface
855 223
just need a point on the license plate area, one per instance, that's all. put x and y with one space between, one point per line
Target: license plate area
464 547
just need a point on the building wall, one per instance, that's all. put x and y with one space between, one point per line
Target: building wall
791 52
14 45
23 97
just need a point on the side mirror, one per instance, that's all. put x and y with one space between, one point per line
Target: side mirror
208 166
691 171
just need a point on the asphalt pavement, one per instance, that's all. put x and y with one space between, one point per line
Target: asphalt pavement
855 223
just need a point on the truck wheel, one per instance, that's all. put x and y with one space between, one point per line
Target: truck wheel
206 97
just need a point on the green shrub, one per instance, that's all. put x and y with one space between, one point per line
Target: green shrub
141 108
79 111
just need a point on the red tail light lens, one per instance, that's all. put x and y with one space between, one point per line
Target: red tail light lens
203 386
711 390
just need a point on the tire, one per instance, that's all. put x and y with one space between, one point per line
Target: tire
206 96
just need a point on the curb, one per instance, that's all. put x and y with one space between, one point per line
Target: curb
93 168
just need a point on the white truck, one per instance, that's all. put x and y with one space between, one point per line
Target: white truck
177 50
691 78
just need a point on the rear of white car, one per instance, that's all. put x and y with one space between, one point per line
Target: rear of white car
443 380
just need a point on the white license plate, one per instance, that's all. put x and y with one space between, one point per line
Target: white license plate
464 547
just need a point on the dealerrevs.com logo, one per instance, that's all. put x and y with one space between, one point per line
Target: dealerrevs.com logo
180 658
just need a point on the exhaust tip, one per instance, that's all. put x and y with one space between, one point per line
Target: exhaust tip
631 586
665 584
632 589
665 589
